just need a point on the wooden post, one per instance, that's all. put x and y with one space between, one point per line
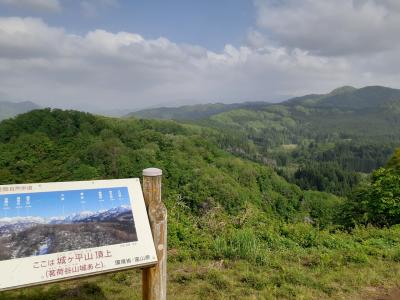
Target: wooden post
154 279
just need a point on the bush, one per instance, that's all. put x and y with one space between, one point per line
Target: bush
377 203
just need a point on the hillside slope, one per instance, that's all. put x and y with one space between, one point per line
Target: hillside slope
191 112
346 112
323 142
58 145
348 118
236 229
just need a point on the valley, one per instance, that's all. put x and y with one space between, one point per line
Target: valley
325 142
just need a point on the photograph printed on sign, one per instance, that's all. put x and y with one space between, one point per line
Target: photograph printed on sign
33 224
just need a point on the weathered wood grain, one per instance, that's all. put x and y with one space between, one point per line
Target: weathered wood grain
154 279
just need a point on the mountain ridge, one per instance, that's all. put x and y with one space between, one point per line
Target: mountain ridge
191 112
368 97
75 217
344 97
10 109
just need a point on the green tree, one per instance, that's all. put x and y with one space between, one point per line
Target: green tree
378 202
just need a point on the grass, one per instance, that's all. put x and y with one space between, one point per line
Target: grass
303 264
252 256
282 278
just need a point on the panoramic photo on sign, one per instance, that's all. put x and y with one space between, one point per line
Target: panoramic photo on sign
55 231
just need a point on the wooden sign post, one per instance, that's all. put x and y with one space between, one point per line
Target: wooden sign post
154 279
127 226
63 230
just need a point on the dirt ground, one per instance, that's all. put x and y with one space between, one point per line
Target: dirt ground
376 293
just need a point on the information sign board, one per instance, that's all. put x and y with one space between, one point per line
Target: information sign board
57 231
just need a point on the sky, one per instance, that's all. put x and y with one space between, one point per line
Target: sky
128 55
62 204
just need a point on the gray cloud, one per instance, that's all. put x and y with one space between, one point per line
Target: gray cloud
332 27
37 5
124 70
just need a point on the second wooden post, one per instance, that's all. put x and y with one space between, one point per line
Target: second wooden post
154 279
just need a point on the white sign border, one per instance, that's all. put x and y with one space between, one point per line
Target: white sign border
144 247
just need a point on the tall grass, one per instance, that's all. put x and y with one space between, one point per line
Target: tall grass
240 244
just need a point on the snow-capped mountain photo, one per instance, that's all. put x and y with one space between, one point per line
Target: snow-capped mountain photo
89 216
64 221
84 216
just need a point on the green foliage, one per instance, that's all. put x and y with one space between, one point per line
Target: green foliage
327 177
263 235
337 136
379 202
384 197
240 244
57 145
394 162
322 208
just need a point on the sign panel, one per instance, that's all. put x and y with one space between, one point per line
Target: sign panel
57 231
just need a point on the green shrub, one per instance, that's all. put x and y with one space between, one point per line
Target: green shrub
305 235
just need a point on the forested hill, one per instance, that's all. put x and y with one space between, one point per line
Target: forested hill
342 98
46 145
192 112
321 141
370 97
11 109
345 112
235 228
361 114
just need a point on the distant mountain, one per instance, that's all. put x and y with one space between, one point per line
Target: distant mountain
192 112
84 216
77 217
346 112
370 97
346 97
21 220
11 109
9 226
88 216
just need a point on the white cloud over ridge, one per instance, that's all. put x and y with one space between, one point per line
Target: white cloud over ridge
38 5
125 70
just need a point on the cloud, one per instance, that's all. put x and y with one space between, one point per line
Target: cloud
331 27
29 38
92 8
109 70
37 5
